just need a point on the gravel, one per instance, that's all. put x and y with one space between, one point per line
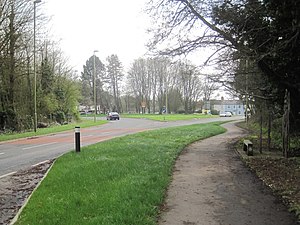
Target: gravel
16 188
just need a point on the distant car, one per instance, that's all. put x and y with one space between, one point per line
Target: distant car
225 114
113 116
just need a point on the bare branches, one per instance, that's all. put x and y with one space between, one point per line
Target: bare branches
161 82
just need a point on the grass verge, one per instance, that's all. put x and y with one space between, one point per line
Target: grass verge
42 131
120 181
167 117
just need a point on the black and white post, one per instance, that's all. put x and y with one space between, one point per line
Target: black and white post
77 139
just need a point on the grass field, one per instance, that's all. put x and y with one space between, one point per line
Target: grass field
167 117
120 181
42 131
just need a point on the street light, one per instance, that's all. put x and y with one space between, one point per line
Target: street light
34 68
94 75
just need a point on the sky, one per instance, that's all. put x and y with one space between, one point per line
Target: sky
107 26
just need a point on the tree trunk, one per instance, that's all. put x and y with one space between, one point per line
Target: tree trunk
12 116
285 125
153 103
260 133
269 130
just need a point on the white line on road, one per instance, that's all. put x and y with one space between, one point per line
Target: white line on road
2 153
37 146
40 163
106 133
8 174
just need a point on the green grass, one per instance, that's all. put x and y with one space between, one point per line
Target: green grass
167 117
42 131
120 181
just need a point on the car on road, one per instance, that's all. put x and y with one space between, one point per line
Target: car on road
225 114
113 116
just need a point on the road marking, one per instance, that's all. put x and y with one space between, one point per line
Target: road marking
40 163
8 174
37 146
2 153
107 133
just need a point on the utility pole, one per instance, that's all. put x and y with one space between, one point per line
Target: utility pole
94 76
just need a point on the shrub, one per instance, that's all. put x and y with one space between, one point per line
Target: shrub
60 117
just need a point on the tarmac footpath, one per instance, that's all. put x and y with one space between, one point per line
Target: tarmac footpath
212 186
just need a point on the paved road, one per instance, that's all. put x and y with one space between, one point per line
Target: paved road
22 153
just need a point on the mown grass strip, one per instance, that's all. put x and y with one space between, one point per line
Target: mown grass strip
167 117
49 130
120 181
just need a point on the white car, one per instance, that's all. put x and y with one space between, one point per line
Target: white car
225 114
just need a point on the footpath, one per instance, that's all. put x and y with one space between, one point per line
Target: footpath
212 186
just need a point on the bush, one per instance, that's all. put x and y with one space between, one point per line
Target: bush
8 120
181 111
42 125
3 117
214 112
60 117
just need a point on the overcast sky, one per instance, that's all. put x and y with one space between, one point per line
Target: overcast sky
109 26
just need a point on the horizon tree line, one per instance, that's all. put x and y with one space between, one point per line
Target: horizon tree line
151 85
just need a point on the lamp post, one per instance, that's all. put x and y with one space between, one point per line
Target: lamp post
94 76
34 67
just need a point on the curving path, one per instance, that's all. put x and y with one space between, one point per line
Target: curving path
212 186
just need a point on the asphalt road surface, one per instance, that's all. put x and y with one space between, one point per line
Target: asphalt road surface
23 153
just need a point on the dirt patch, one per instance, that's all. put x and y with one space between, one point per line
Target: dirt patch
15 189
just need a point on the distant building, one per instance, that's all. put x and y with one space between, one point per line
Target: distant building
236 107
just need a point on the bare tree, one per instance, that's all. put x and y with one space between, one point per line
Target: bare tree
136 82
15 33
160 83
190 86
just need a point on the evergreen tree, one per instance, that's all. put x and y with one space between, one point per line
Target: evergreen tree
115 76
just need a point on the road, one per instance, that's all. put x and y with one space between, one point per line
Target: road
23 153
